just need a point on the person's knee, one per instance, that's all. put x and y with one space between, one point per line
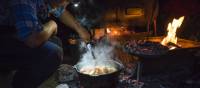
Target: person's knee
47 60
57 53
54 52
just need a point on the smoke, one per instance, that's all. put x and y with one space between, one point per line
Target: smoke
104 55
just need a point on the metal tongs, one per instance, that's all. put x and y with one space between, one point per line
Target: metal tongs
89 47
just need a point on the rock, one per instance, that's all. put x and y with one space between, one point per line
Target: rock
66 74
62 86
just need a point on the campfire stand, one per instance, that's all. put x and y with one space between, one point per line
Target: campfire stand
173 60
138 85
161 65
140 63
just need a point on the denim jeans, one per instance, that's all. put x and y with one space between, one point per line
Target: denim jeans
32 65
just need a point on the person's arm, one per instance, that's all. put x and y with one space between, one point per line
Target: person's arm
36 39
29 29
70 21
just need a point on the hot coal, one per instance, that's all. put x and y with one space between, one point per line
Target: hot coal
142 47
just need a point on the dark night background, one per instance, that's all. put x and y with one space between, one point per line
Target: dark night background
90 13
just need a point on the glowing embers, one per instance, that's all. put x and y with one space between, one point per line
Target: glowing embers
145 48
171 35
113 31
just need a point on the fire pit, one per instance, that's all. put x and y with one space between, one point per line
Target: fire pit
158 46
151 47
178 52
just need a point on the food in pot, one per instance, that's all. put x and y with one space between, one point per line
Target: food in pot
97 70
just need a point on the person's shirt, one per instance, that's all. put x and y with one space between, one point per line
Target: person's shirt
26 15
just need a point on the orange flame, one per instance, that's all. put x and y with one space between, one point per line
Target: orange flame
172 28
113 31
108 30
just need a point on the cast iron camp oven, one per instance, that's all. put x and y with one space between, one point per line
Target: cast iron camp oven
109 80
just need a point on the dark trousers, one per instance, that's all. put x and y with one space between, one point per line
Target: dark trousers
33 65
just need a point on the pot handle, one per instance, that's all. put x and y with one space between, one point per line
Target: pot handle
75 67
121 65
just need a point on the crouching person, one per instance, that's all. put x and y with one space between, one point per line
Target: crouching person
26 38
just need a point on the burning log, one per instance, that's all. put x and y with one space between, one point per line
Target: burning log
183 43
172 46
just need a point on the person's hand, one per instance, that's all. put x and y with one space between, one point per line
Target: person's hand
84 34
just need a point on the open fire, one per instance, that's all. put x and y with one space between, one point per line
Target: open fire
147 48
171 35
114 31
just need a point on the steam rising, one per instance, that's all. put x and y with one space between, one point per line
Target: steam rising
103 53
